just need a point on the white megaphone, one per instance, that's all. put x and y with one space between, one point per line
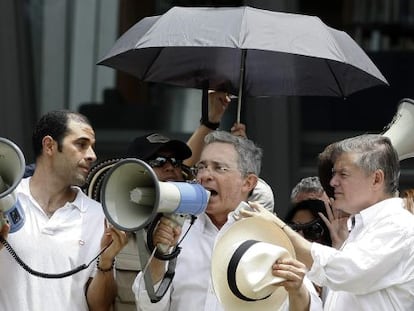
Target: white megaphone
131 196
12 165
401 129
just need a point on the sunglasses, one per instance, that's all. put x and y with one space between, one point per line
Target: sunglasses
161 161
312 231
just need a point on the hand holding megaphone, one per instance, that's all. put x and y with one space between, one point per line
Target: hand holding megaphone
4 231
175 221
167 232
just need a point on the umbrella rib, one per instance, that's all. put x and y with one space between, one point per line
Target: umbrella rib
336 79
153 61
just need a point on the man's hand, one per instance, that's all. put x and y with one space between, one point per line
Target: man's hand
292 270
217 105
166 233
4 232
260 211
337 223
115 240
239 129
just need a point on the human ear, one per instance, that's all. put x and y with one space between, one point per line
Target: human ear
378 179
48 144
250 182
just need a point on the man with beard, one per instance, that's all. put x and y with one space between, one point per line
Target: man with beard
63 229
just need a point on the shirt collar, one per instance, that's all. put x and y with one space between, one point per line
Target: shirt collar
369 214
79 200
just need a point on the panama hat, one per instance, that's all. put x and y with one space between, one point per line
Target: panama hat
241 266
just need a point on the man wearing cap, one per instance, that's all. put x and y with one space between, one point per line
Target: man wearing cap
165 156
228 167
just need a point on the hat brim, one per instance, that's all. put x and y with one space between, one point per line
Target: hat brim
146 150
252 228
181 149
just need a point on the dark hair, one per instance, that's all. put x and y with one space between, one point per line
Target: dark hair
314 206
54 124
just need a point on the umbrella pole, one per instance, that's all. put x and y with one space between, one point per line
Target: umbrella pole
204 102
241 83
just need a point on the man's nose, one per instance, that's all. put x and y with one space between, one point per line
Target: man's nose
91 155
334 181
168 166
204 174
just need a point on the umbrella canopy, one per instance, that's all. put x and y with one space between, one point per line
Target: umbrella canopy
244 51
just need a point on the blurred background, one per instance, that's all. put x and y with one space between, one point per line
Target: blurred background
49 50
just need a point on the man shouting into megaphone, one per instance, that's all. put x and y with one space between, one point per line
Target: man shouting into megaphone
228 167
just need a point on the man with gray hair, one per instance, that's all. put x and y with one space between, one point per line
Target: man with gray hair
308 188
374 269
228 167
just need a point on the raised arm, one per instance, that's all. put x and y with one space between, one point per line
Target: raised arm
217 105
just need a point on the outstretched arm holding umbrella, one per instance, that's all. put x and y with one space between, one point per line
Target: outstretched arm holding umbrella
218 103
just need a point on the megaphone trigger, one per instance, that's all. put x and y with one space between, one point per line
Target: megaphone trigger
176 220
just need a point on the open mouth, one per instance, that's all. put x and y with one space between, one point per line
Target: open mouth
213 192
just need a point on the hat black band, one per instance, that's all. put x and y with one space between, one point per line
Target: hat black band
231 269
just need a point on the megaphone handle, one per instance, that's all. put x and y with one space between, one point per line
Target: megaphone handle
177 220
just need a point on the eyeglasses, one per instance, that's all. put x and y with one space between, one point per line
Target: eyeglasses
312 231
161 161
214 168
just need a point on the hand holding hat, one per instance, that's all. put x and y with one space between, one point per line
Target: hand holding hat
302 246
243 262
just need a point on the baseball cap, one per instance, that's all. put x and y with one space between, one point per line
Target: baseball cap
144 147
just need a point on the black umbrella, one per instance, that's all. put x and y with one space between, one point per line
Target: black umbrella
244 51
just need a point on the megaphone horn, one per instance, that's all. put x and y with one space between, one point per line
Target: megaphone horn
400 130
131 196
96 177
12 166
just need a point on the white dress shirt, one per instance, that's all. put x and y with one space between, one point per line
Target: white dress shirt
374 270
192 288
